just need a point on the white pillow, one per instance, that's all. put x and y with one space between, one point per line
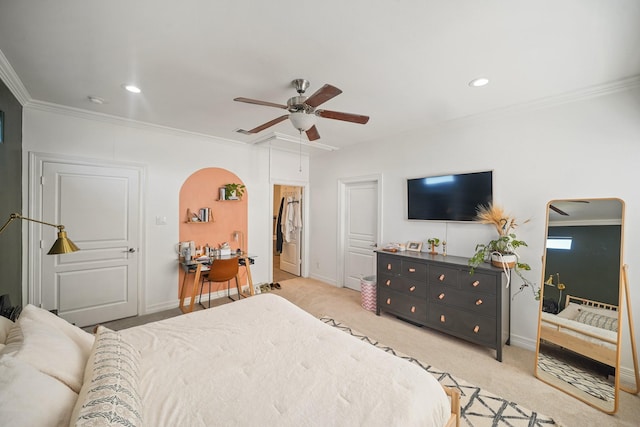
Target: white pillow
13 341
29 398
83 339
51 352
110 395
5 327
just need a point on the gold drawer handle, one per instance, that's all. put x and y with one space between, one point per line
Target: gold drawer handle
476 329
441 277
411 289
413 309
389 266
441 296
479 302
388 300
442 318
475 284
388 282
412 270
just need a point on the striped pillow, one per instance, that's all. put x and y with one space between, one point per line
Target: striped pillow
597 320
109 395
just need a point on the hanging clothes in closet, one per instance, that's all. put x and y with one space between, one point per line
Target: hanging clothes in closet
279 227
292 219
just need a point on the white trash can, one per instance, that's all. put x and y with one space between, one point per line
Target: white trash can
368 293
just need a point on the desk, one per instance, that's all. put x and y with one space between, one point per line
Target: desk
197 268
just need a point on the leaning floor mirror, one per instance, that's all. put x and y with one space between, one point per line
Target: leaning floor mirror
578 348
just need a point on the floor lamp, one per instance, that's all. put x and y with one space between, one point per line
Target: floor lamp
62 245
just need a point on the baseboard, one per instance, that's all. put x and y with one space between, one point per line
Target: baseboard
522 342
168 305
323 279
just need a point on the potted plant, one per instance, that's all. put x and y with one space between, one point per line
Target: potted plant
234 191
502 251
434 242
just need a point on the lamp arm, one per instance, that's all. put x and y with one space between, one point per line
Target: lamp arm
18 216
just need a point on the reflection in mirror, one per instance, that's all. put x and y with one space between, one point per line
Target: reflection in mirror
578 339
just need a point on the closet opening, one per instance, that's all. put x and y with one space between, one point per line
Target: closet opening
287 232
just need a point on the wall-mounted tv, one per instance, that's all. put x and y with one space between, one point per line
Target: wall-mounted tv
449 197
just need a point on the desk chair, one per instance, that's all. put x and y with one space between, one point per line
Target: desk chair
222 270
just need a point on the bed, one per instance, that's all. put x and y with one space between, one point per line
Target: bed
258 361
584 326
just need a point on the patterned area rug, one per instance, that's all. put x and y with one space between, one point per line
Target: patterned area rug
478 407
579 378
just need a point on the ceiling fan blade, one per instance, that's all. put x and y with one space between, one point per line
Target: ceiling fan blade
347 117
312 133
560 211
322 95
257 102
264 126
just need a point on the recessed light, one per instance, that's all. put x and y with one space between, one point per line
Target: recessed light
96 99
132 88
481 81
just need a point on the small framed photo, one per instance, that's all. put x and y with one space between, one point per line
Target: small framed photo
414 246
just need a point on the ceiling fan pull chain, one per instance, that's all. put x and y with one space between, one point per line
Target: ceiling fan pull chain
300 167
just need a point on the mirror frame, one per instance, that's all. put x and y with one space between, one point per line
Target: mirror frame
621 289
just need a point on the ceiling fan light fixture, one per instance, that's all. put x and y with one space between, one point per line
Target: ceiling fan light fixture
302 121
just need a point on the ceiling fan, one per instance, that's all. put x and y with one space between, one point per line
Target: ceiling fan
302 110
563 213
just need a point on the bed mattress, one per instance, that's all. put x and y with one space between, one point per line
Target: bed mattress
264 361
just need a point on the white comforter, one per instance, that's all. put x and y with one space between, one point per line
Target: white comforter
263 361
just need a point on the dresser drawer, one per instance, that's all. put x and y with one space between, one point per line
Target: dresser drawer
404 286
480 329
414 271
407 307
474 302
480 282
443 275
389 265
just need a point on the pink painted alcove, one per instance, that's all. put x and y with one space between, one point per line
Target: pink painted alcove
201 190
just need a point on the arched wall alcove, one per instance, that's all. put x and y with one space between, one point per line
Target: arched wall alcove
201 190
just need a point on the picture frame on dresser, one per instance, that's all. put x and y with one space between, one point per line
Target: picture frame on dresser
414 246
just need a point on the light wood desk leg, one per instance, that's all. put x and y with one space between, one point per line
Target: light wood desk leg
194 287
247 266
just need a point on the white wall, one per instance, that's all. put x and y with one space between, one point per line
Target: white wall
585 149
169 158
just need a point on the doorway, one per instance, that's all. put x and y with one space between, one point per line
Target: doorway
99 203
360 228
287 232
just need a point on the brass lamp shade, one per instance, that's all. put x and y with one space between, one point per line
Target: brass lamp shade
62 245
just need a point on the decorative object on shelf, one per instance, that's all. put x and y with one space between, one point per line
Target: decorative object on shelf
444 248
62 245
204 215
433 242
414 246
234 191
501 252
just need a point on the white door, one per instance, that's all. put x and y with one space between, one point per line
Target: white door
360 231
291 245
99 207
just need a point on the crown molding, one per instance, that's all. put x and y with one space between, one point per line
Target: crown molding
542 103
120 121
10 78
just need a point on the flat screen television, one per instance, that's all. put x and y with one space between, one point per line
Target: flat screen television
449 197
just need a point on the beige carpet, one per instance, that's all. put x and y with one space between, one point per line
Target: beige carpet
512 379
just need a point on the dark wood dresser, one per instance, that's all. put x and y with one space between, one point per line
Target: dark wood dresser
438 291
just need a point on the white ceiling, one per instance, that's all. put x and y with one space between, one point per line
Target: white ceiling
404 63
